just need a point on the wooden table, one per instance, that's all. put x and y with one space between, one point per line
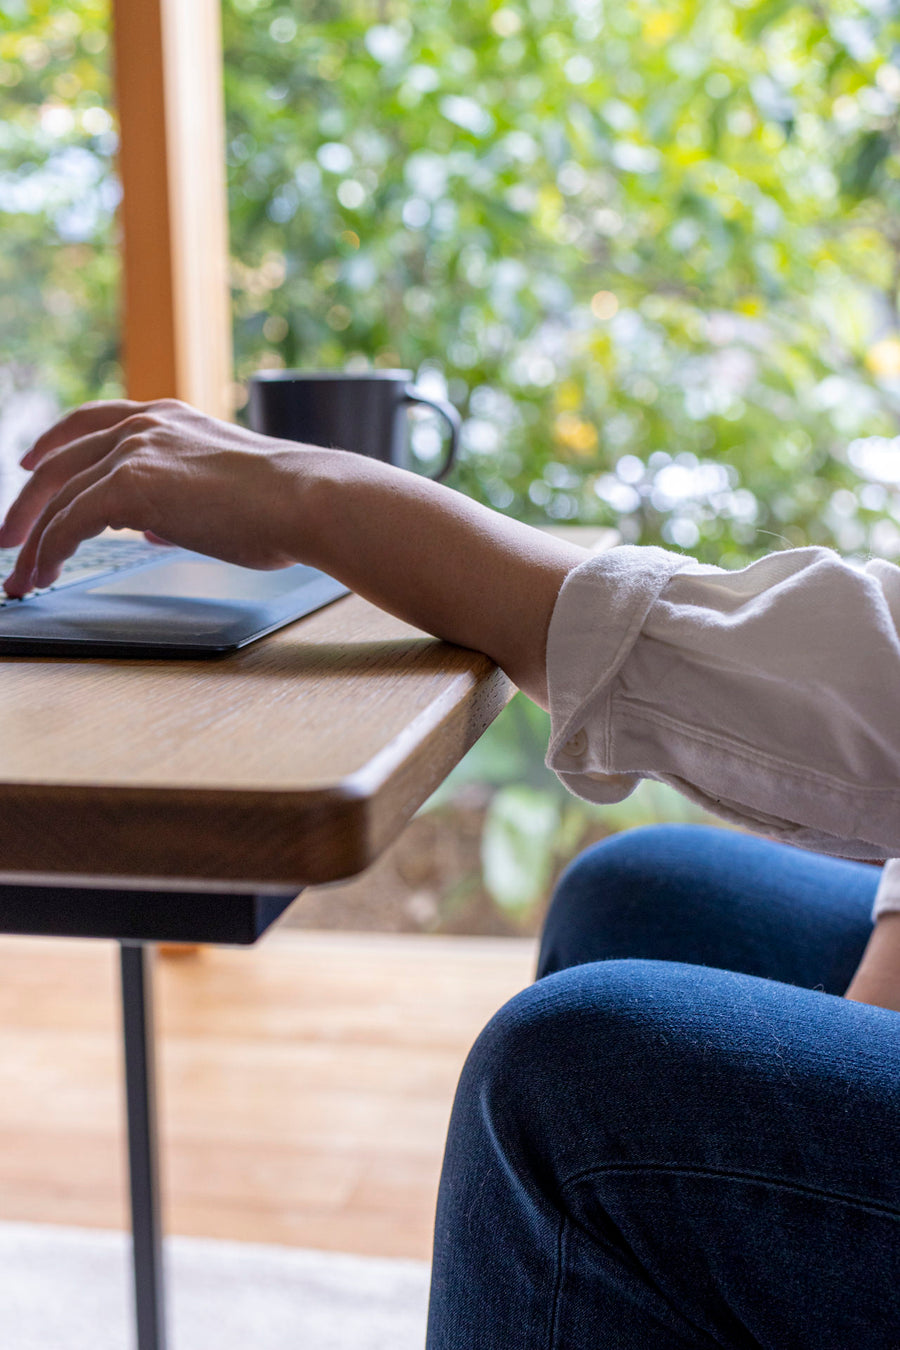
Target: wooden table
186 801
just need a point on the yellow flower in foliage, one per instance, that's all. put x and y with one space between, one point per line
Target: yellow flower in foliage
884 358
549 208
575 434
568 395
659 27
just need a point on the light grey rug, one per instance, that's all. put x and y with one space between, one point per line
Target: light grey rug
70 1289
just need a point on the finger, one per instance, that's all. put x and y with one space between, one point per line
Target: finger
58 467
84 517
22 578
156 539
84 421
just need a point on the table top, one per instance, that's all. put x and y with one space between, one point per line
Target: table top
295 761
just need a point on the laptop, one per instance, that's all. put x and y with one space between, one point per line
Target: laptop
127 597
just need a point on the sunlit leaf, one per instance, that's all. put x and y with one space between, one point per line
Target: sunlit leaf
518 845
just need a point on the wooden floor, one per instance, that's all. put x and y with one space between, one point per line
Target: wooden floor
305 1084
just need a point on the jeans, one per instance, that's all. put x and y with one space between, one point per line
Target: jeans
681 1135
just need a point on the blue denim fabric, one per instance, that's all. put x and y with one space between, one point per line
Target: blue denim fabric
649 1149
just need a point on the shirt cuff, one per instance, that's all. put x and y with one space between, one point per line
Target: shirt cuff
887 897
596 621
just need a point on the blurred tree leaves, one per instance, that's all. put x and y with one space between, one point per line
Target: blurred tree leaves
651 250
648 249
58 267
863 160
518 845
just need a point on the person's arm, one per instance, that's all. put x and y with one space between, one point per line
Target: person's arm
877 979
435 558
422 551
762 693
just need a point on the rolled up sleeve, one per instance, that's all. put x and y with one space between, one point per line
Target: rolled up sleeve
769 695
887 897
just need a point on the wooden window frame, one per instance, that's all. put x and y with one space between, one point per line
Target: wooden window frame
173 218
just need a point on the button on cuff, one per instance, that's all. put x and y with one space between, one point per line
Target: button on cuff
576 745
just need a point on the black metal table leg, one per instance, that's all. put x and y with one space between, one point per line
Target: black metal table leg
143 1149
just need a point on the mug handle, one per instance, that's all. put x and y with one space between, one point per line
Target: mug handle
412 395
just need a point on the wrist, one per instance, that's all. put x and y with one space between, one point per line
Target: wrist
877 979
348 514
306 497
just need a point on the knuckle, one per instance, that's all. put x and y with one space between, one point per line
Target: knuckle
136 424
53 525
121 471
129 468
154 414
119 454
87 412
80 412
130 448
160 411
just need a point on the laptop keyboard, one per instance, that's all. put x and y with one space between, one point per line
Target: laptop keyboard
95 558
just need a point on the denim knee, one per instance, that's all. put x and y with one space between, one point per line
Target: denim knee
656 1060
536 1066
603 905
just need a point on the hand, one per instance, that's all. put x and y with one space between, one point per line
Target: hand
159 467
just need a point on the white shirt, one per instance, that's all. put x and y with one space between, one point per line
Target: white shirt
770 695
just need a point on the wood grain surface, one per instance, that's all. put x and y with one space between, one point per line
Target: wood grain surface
305 1085
295 761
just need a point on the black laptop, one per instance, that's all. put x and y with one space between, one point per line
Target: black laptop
127 597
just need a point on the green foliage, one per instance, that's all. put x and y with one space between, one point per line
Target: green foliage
652 250
518 845
530 833
59 271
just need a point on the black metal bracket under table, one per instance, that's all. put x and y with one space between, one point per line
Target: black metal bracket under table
137 919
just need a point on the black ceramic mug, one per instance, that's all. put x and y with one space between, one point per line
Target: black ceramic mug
362 412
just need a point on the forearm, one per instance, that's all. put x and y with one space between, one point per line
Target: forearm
433 557
422 551
877 979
